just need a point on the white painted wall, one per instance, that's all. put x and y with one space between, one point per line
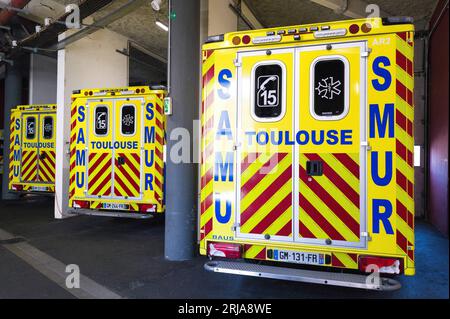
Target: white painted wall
91 62
43 70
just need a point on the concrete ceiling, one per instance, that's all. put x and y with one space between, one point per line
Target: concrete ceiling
139 26
294 12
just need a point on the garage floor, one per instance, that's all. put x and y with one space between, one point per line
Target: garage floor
127 258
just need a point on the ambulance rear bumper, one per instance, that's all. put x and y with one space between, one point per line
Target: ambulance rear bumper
301 275
92 212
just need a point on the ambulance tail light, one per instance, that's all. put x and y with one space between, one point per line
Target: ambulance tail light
227 250
383 264
147 208
16 187
354 28
81 204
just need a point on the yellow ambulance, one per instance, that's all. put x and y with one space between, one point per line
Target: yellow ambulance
307 152
117 152
1 152
32 149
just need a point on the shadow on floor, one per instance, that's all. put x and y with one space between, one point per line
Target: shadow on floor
127 256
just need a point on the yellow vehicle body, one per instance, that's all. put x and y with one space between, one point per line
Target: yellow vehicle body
32 149
117 149
307 146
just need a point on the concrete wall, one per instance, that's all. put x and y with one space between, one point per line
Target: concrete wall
91 62
438 120
43 71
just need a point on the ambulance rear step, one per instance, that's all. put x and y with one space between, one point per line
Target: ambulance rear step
91 212
301 275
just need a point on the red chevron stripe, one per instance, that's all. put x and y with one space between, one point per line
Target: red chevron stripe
331 203
304 231
268 166
93 166
404 63
410 252
207 177
286 230
208 76
50 161
401 241
207 152
131 180
208 53
404 123
100 174
107 191
124 187
318 218
348 162
43 174
74 110
208 126
261 254
206 203
404 183
209 100
404 93
266 195
285 203
249 159
336 179
133 168
46 166
405 214
158 108
335 262
207 228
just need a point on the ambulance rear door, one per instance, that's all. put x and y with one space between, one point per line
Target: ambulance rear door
30 139
128 149
99 138
47 153
115 133
330 153
264 171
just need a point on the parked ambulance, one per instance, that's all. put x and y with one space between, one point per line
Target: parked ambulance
117 152
307 152
32 149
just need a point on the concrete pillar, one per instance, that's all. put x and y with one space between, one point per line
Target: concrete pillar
13 97
43 71
91 62
221 19
184 80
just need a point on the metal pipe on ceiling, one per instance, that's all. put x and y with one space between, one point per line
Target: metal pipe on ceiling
9 12
117 14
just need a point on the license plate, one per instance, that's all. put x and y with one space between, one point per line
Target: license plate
298 257
39 188
113 206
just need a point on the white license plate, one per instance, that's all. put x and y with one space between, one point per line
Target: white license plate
39 188
114 206
298 257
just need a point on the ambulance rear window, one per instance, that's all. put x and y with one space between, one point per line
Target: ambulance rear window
48 127
31 127
268 91
128 120
329 80
101 120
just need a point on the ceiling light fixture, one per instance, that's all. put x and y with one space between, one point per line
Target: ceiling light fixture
156 5
162 25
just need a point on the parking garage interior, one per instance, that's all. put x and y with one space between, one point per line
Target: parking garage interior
129 43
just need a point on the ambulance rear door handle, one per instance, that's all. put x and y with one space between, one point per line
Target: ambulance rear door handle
314 168
121 160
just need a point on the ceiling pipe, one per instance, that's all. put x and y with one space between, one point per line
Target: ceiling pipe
9 12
